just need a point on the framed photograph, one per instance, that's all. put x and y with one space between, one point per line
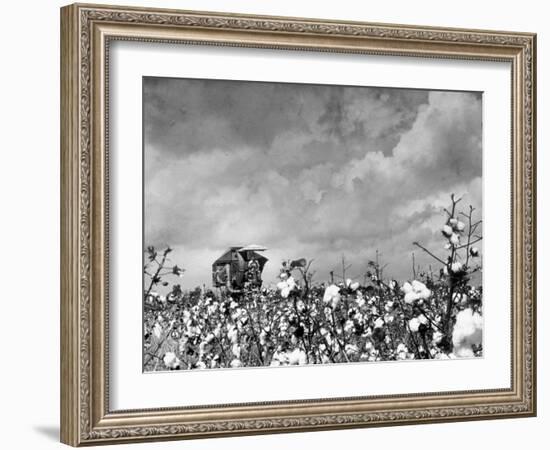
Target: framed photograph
274 224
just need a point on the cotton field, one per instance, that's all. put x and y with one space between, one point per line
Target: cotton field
437 314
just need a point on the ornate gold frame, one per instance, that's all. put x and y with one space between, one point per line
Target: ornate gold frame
86 31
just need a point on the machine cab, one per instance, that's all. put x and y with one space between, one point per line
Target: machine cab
239 267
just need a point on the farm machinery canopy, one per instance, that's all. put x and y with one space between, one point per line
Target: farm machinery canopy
239 266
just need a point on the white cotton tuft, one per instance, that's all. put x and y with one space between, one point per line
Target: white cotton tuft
447 231
457 267
414 323
455 240
286 286
297 357
468 331
332 295
236 363
415 291
171 360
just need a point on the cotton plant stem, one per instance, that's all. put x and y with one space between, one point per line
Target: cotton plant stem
429 253
298 315
260 357
471 243
342 349
160 267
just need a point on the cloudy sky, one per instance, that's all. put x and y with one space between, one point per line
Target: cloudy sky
308 171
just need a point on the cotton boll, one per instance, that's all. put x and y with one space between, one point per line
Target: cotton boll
468 331
200 365
463 352
460 226
291 282
474 252
279 359
236 350
332 295
414 324
418 286
286 286
447 231
233 334
454 239
236 363
217 331
421 290
379 323
171 360
349 326
157 330
457 267
410 295
402 355
354 286
415 291
297 357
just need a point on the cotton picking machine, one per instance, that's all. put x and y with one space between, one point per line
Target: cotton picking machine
239 267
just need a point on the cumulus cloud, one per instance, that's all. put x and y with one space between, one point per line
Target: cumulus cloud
306 170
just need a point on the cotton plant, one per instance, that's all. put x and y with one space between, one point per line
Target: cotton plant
461 235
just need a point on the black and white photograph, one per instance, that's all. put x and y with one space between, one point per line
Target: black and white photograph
291 224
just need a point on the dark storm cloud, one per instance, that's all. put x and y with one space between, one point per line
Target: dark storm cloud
307 170
184 116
